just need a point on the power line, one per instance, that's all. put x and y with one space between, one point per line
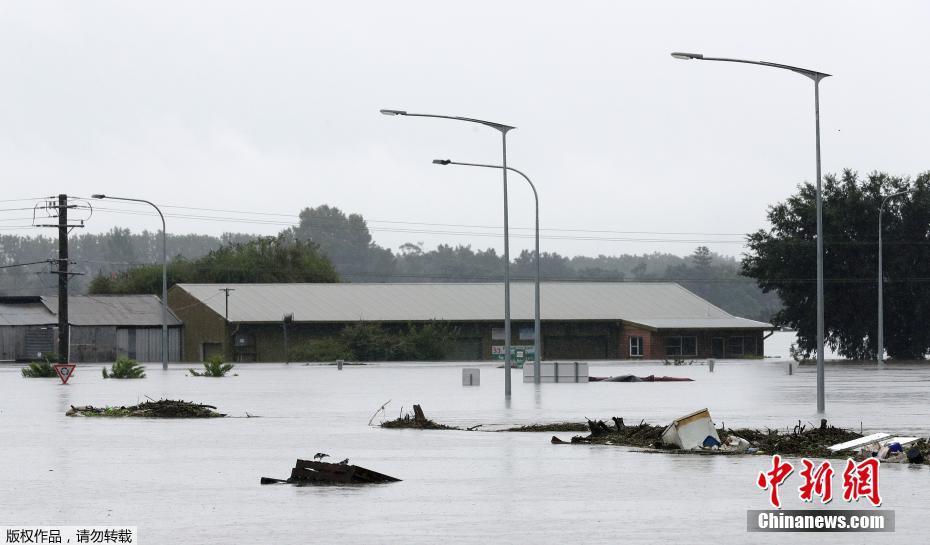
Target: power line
45 262
368 221
471 226
31 199
426 231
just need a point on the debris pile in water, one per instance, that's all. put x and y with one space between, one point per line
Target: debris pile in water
801 441
641 435
417 420
163 408
555 426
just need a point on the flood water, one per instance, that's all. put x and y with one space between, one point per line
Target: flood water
197 481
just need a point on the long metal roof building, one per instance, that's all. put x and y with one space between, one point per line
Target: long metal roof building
658 305
86 310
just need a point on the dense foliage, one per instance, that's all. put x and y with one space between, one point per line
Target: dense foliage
93 255
213 367
39 369
42 368
783 260
124 368
265 260
370 342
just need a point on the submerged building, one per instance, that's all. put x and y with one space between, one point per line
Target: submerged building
580 320
103 327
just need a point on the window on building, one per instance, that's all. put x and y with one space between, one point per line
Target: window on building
741 346
636 346
735 346
681 346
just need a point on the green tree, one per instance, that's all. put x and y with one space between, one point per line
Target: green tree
265 260
347 242
702 257
783 259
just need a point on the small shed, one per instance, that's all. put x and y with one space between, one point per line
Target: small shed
103 327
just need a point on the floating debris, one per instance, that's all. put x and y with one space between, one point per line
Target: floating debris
692 430
163 408
417 421
634 378
799 441
307 472
555 426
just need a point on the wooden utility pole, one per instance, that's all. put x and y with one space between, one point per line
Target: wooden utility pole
61 210
227 290
63 331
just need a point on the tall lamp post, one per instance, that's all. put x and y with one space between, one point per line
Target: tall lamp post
536 333
880 351
503 130
164 274
816 77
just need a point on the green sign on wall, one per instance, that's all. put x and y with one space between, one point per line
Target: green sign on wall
518 353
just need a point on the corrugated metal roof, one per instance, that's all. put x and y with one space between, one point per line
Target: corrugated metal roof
119 310
26 314
667 305
89 310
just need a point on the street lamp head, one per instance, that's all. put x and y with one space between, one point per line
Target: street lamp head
687 56
441 161
393 112
98 196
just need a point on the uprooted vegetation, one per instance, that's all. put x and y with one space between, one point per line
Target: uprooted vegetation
799 441
641 435
417 421
163 408
555 426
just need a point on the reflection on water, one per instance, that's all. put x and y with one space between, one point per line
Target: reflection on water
197 481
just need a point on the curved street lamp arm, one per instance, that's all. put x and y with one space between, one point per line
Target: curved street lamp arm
812 74
525 177
499 126
150 203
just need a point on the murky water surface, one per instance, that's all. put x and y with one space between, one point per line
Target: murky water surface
197 481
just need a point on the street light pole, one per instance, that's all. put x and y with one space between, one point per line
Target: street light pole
537 333
816 77
164 274
880 350
503 130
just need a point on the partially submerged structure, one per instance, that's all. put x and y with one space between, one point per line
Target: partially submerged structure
307 472
103 328
580 320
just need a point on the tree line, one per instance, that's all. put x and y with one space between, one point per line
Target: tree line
329 245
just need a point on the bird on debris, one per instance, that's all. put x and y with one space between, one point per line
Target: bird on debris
320 456
344 462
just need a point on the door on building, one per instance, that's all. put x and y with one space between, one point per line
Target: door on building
208 350
717 346
126 343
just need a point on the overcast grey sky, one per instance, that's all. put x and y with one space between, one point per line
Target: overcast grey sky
269 106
